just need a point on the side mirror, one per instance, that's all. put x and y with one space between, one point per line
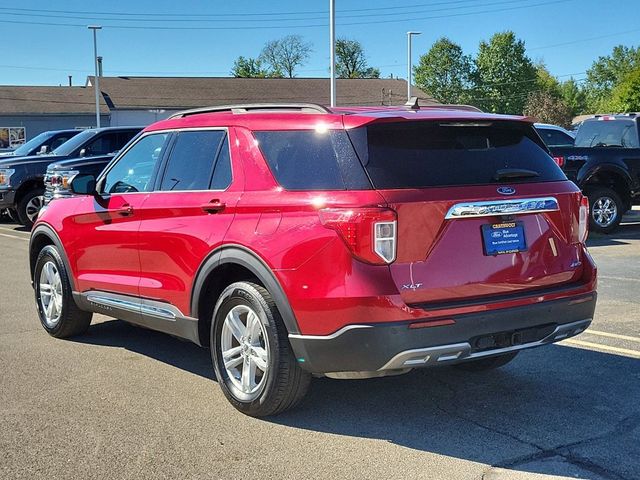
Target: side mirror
43 150
83 152
83 184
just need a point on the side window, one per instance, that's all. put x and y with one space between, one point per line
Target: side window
555 138
222 173
57 142
192 160
102 145
134 170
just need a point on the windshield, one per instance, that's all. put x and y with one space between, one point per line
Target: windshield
608 133
67 148
36 141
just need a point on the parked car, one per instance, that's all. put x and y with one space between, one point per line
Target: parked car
22 179
296 240
42 144
605 163
555 136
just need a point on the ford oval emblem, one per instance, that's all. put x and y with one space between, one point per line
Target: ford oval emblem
506 190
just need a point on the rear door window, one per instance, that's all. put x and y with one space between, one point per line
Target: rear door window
312 160
192 160
439 154
555 138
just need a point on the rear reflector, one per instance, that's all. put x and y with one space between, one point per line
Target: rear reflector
432 323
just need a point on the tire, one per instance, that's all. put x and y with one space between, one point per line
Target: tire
29 206
489 363
58 312
605 209
246 321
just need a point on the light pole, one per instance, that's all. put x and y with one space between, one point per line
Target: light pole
409 35
332 55
97 78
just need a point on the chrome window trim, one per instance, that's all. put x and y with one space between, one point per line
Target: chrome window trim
503 207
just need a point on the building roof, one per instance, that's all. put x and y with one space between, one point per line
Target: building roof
189 92
21 100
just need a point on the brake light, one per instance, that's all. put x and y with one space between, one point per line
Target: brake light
370 233
559 161
583 220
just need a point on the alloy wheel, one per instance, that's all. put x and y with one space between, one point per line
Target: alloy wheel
604 211
33 207
51 294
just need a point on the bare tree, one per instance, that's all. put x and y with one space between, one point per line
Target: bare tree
286 54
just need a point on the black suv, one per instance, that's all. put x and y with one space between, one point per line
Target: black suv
42 144
605 163
22 179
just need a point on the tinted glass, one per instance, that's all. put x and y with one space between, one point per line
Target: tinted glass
59 140
32 144
430 154
555 138
191 161
310 160
222 172
133 172
608 133
105 143
76 142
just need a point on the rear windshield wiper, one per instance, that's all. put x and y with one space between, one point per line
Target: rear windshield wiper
510 173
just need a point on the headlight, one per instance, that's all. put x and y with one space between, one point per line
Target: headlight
59 181
5 176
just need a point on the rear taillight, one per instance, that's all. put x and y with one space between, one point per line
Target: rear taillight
583 220
559 160
370 233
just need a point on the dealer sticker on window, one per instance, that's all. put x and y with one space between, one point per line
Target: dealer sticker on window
501 238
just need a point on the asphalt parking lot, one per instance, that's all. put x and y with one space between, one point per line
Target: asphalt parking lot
124 402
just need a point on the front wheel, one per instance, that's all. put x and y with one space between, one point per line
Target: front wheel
606 210
252 358
58 312
29 206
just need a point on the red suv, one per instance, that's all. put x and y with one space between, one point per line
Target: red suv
348 242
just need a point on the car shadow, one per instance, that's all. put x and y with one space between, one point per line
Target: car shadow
554 402
626 231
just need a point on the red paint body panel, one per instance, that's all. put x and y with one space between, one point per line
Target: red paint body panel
440 269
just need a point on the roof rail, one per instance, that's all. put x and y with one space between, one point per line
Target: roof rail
255 107
414 105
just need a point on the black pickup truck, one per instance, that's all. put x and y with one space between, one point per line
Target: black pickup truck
605 163
22 178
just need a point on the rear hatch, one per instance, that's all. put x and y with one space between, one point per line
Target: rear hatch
482 209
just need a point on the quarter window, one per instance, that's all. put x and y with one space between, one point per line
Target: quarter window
134 170
192 160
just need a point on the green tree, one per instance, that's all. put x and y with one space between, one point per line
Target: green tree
606 73
625 96
546 82
573 96
546 107
286 54
251 68
351 61
445 72
505 75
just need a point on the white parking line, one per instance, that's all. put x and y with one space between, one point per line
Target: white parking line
14 231
605 348
613 335
14 236
622 279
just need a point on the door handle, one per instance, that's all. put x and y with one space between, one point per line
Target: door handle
214 206
125 210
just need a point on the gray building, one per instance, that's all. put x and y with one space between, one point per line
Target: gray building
144 100
33 110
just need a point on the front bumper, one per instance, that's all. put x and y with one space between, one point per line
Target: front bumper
7 198
396 346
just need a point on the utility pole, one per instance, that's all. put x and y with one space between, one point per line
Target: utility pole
332 56
97 78
409 35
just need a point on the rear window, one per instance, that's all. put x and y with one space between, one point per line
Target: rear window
608 133
434 154
312 160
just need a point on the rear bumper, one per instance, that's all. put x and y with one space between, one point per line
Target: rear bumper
393 346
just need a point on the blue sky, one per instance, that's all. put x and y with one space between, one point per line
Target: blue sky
566 34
